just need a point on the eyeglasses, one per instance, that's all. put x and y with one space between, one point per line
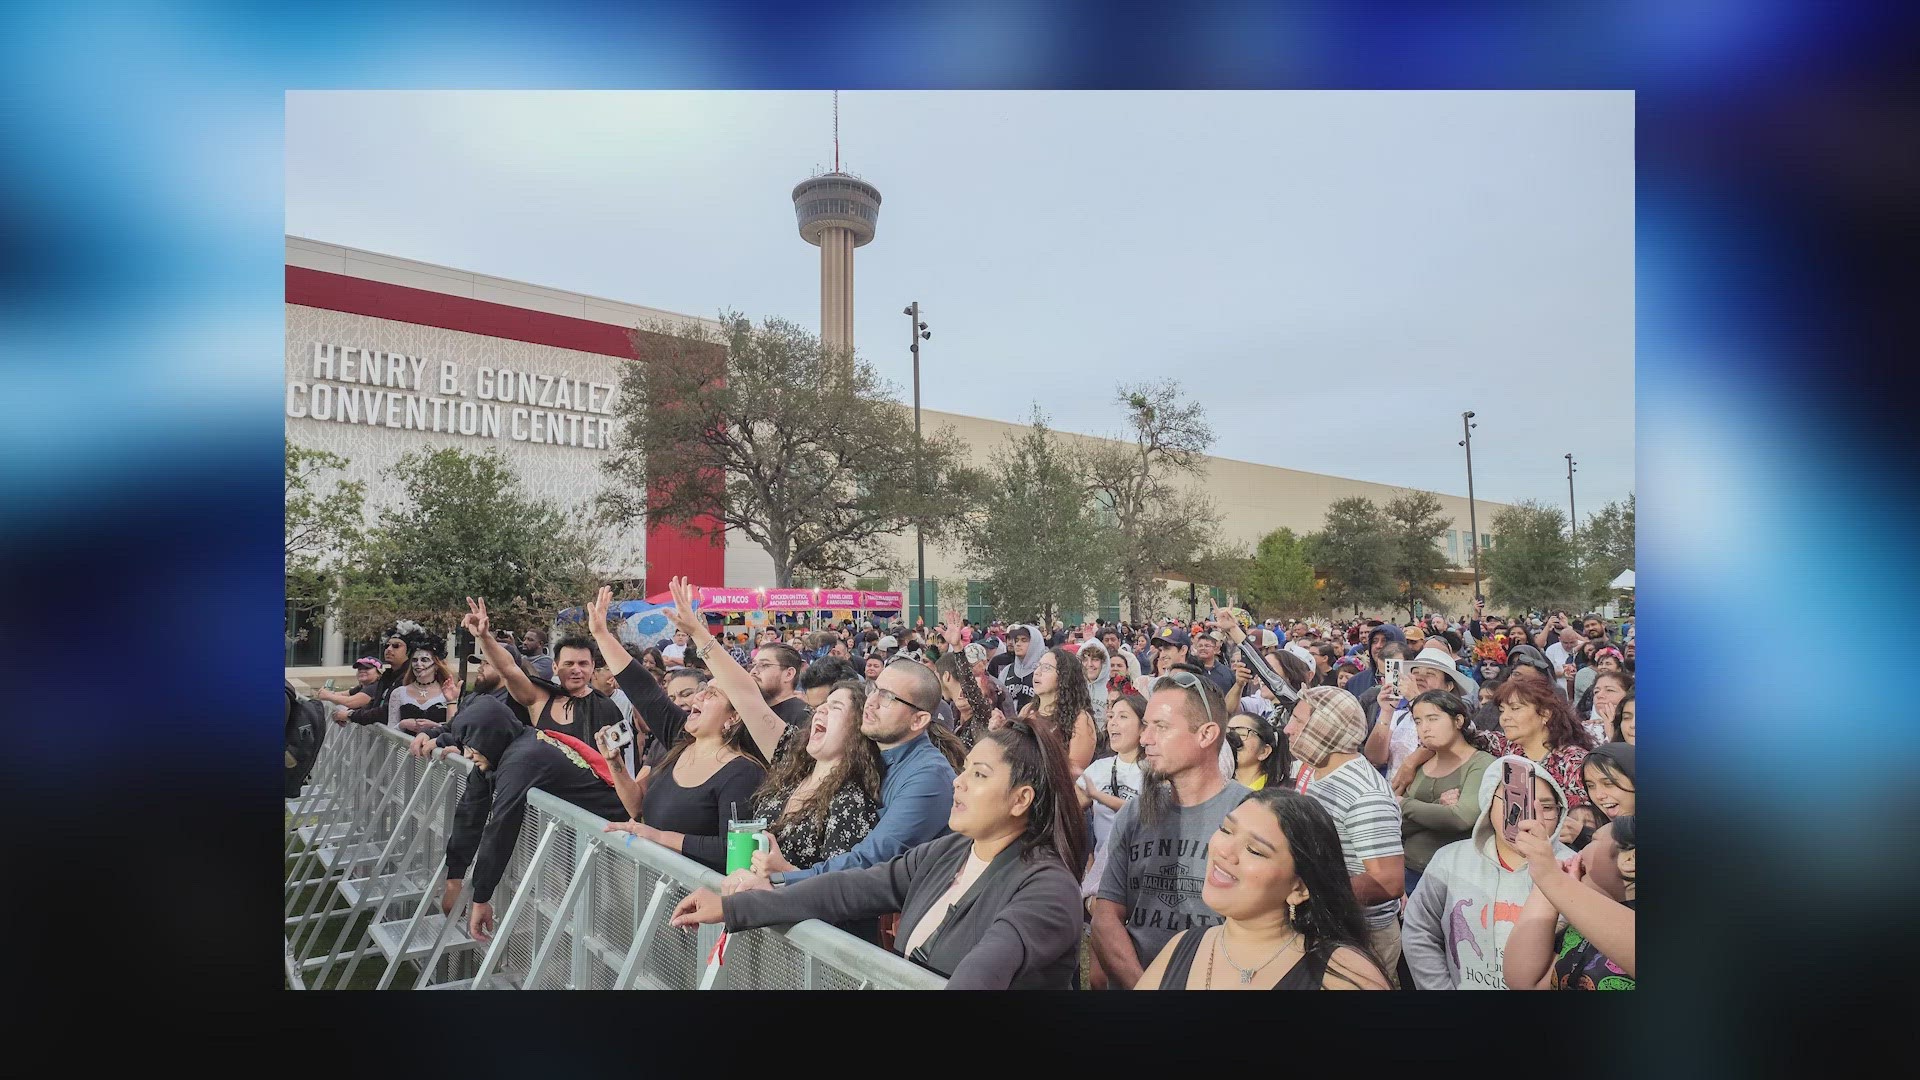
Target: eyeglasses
884 697
1187 680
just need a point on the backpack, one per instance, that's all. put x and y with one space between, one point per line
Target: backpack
306 730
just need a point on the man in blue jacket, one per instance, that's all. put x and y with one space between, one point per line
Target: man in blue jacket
916 798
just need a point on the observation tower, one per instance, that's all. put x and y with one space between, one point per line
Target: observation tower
837 212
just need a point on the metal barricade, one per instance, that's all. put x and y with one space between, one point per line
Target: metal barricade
369 851
577 908
592 913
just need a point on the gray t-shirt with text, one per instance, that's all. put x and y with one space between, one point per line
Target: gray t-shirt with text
1155 871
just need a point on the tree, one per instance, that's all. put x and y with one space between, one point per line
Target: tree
1415 520
324 515
1035 538
466 528
1606 549
1532 567
1352 549
1280 580
797 447
1156 526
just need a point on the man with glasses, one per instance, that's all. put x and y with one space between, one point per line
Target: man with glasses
1157 851
916 798
776 670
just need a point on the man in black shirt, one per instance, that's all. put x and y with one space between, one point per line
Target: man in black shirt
509 759
777 669
570 704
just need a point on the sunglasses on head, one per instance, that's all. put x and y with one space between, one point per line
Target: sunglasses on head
1187 680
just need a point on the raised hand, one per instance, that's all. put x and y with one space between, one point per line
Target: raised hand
597 610
682 615
476 622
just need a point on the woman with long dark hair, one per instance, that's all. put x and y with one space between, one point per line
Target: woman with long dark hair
957 684
993 905
1277 875
1260 756
1060 701
1440 805
426 698
690 796
1602 702
1607 775
823 798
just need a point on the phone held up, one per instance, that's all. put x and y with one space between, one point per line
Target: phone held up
1516 782
1392 668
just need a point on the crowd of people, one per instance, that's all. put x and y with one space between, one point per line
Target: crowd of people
1210 803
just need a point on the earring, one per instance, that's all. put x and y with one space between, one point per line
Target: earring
1293 913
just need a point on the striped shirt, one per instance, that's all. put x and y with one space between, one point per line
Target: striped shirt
1368 819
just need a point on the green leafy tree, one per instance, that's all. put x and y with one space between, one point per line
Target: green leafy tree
466 527
801 449
1145 483
1035 540
1353 551
1532 565
1606 549
1415 520
1280 578
324 517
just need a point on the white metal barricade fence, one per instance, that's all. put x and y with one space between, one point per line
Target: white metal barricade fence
577 908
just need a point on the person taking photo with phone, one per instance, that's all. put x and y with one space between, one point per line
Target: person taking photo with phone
1570 936
1465 907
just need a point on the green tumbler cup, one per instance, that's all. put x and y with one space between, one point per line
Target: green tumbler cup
743 839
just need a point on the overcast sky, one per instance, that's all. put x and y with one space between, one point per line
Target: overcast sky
1336 276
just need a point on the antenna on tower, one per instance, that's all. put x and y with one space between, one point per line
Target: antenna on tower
836 131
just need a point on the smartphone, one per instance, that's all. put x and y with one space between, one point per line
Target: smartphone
1391 670
1516 782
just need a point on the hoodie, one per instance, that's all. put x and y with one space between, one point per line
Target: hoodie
1458 919
1016 675
1367 679
487 821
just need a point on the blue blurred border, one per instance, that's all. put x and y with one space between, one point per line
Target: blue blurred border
143 226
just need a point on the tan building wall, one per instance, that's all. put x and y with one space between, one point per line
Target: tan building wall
1252 499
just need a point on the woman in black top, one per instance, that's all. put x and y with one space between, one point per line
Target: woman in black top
1276 873
994 905
694 791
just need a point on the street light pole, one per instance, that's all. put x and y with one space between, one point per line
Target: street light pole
1573 517
1473 526
915 336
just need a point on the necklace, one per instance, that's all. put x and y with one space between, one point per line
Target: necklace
1246 974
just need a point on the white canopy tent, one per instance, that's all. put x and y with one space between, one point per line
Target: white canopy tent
1624 581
